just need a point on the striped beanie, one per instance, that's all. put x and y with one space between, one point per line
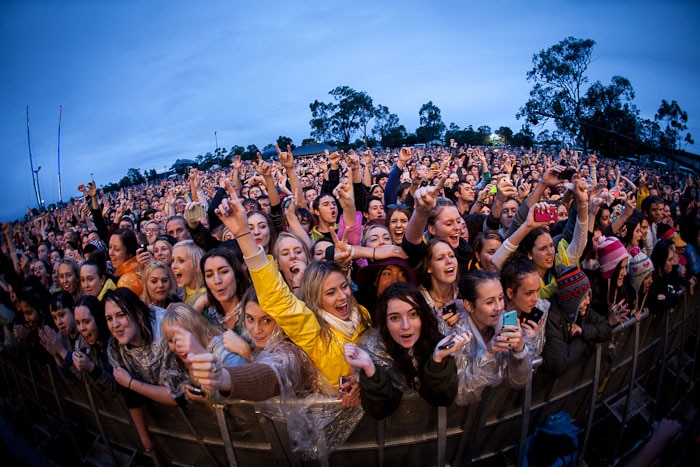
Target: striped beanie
572 288
610 252
639 268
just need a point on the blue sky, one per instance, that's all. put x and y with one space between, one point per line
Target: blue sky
144 83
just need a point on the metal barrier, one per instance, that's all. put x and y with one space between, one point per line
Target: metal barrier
625 379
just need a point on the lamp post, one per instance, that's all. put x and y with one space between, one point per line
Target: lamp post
38 188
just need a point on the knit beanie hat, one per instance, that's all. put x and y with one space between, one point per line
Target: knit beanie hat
610 252
639 268
572 287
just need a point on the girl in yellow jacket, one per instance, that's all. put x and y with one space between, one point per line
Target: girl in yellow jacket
321 321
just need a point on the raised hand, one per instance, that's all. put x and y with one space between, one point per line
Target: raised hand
450 344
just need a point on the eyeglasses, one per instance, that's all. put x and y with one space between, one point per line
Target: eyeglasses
398 206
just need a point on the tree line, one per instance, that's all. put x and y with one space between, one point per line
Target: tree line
595 116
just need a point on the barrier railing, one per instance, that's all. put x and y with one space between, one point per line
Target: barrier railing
625 377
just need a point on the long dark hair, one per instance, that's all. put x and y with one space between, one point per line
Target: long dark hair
97 310
137 311
429 333
243 282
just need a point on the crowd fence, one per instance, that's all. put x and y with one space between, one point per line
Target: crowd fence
646 370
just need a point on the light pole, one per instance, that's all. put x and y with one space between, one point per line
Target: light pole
38 188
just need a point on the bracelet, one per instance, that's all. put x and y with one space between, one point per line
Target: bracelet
374 252
129 385
581 206
242 235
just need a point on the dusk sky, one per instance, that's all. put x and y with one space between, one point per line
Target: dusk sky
143 83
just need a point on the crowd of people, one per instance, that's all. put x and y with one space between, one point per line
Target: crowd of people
357 276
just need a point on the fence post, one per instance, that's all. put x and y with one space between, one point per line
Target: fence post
441 435
592 402
525 427
225 435
630 389
105 440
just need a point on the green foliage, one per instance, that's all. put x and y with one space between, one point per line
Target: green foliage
251 153
431 126
558 74
284 141
672 120
306 141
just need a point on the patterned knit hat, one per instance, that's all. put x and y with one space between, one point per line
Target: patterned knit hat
610 252
639 268
572 288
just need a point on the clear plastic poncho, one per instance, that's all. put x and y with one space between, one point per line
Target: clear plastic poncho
316 422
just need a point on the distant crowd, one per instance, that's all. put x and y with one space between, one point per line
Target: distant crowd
356 276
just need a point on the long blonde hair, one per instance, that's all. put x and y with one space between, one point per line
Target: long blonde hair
311 292
195 253
146 274
186 317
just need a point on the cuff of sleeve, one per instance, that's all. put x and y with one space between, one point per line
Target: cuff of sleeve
256 261
509 246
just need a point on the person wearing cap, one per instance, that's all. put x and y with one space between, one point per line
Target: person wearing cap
572 331
608 281
639 276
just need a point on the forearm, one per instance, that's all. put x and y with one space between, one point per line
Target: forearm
416 226
154 392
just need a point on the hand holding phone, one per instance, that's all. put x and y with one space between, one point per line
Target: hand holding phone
547 216
510 318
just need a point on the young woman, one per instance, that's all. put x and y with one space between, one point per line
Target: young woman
405 353
122 253
485 245
438 273
278 368
226 282
137 354
93 277
498 352
262 228
322 320
187 331
608 281
572 330
396 221
188 276
665 289
69 277
60 344
163 249
292 257
158 285
90 351
521 284
32 304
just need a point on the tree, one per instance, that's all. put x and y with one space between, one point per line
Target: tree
284 141
505 135
321 121
672 120
431 126
387 128
525 137
306 141
611 120
352 111
250 152
134 176
237 150
559 74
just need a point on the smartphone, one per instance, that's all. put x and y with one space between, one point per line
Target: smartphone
493 189
510 318
446 346
449 310
550 215
142 246
535 315
287 201
566 174
344 383
197 391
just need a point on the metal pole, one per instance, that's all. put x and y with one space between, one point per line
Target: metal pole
592 402
441 435
60 192
31 164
